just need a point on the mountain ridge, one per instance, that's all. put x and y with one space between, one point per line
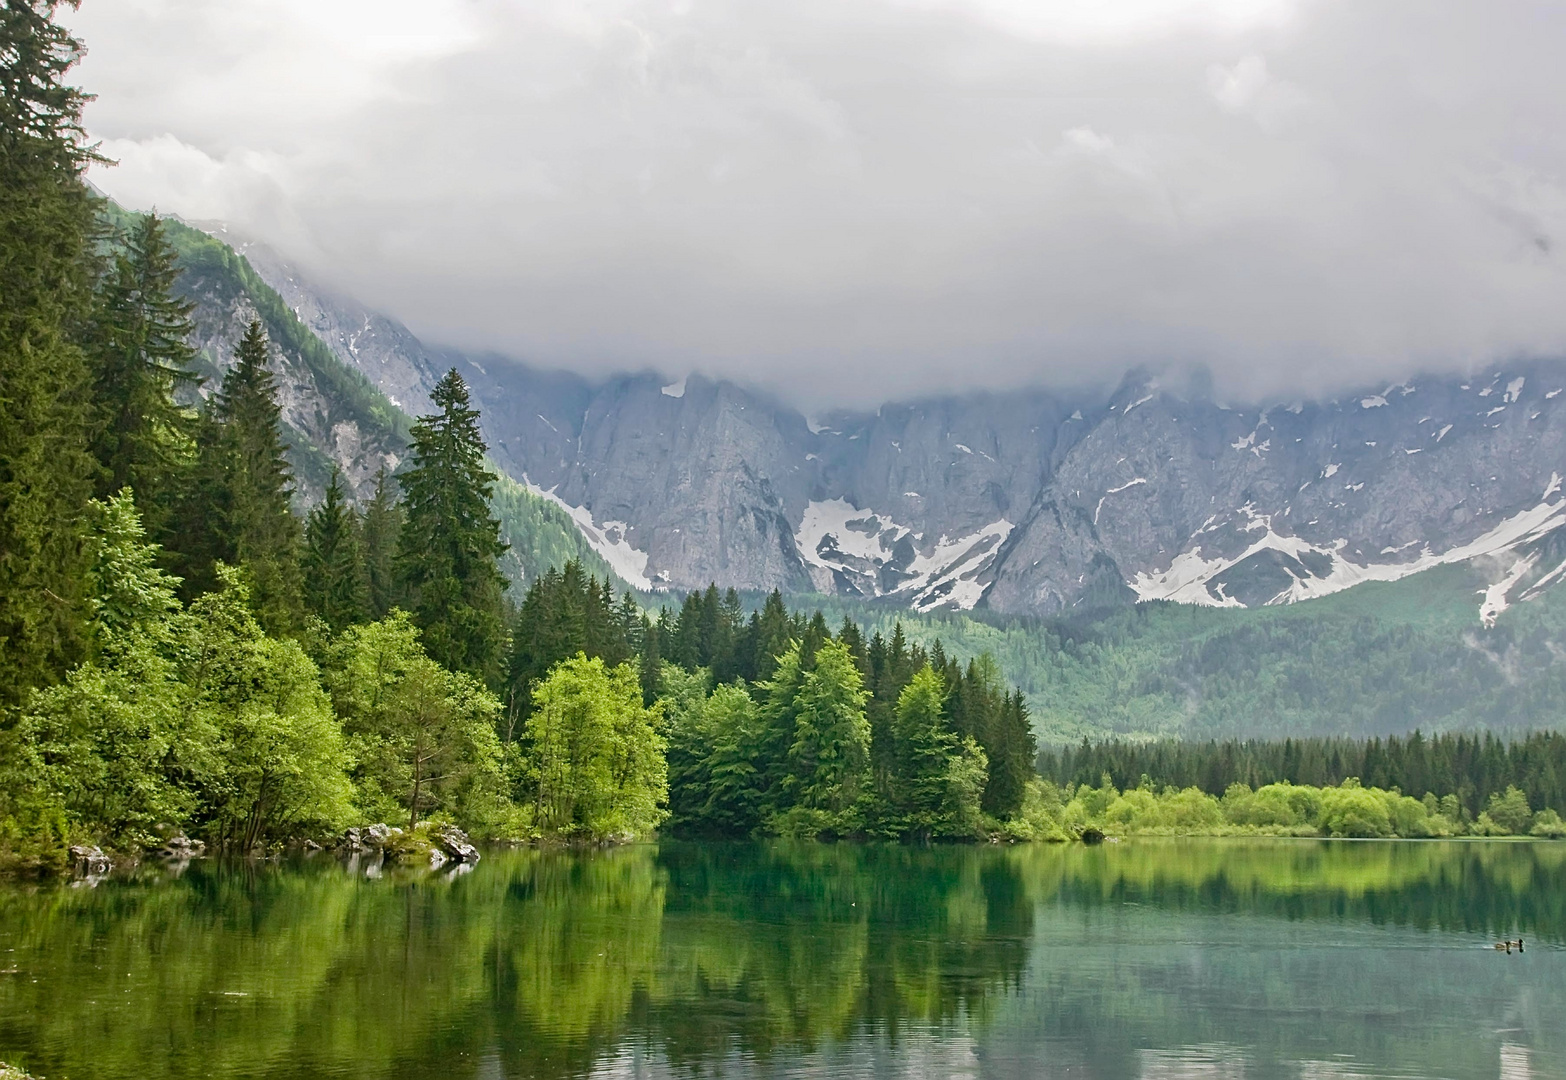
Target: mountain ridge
1031 502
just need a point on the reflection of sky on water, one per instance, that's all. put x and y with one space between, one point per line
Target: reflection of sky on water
1131 991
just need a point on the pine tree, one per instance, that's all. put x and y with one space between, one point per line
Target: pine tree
446 557
651 659
141 354
924 746
772 635
335 583
828 757
381 527
257 528
1011 750
46 269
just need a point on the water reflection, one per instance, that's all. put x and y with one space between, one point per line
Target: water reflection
1155 959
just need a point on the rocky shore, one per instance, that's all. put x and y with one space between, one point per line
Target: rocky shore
427 845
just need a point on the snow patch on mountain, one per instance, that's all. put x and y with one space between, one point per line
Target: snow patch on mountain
1115 491
864 552
1315 570
609 539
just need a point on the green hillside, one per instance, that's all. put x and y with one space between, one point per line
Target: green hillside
222 283
1375 659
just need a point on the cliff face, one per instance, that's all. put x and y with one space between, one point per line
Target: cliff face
1027 502
335 417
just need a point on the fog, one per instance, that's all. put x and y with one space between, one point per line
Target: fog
849 200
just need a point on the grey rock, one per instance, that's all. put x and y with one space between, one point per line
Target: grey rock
456 844
367 838
180 847
90 861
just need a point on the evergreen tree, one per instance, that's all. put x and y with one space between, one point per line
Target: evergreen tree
335 584
257 529
142 436
382 526
772 635
447 552
1011 750
924 748
829 753
651 657
46 270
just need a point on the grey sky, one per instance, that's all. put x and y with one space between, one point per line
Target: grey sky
848 200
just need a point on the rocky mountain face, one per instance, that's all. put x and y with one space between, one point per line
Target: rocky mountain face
1027 503
334 416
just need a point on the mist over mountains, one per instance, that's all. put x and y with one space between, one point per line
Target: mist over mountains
1028 503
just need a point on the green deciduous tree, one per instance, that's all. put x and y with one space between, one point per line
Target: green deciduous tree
423 737
596 758
449 544
112 741
1507 814
277 760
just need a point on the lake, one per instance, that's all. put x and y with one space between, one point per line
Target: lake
1150 958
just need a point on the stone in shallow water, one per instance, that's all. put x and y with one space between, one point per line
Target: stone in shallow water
90 859
180 847
456 844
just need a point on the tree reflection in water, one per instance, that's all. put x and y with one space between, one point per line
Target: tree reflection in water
755 958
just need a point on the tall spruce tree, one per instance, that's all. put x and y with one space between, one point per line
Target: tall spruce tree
924 746
46 275
141 357
382 526
335 584
1012 749
446 556
257 528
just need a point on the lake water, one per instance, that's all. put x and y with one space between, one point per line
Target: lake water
1197 958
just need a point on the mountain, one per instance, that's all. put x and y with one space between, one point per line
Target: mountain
334 415
1050 514
1029 503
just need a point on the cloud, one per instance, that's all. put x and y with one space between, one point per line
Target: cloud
1236 87
1088 141
848 200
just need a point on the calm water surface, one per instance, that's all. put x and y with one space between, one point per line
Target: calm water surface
1295 959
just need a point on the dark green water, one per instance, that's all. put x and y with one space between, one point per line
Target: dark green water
1294 959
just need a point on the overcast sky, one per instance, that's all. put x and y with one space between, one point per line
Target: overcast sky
848 200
